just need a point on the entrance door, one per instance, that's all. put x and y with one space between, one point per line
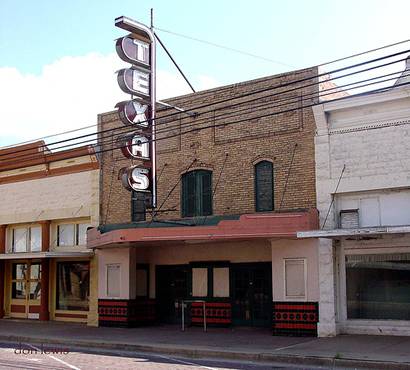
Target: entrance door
25 289
252 294
172 285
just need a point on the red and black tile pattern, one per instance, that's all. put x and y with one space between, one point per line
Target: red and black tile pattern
295 318
126 313
217 314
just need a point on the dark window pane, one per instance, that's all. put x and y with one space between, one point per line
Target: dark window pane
73 281
206 193
378 286
35 271
35 290
138 208
196 197
19 271
18 290
264 186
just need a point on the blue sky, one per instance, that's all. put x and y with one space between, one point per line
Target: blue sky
59 54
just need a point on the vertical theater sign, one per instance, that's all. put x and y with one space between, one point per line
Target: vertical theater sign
138 49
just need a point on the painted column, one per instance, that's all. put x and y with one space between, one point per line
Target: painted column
2 267
45 236
327 301
44 312
45 271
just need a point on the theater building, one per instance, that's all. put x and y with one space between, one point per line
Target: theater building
48 200
230 200
363 194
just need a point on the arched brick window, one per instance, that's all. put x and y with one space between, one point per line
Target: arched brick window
263 186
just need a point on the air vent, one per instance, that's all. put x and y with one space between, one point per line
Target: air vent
349 219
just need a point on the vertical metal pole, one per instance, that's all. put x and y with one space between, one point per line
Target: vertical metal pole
183 316
204 316
153 109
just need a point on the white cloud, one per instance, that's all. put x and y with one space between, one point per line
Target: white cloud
68 94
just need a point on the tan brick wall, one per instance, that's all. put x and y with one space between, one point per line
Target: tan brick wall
273 137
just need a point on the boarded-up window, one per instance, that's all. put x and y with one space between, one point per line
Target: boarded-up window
142 282
295 278
264 186
114 280
196 194
200 282
221 281
369 211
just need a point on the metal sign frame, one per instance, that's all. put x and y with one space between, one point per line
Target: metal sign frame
145 32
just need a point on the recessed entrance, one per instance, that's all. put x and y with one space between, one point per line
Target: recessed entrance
25 289
172 285
251 291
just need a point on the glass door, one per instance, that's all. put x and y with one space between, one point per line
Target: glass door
25 289
252 294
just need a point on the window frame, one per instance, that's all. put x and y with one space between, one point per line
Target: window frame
257 201
292 297
76 236
134 206
27 237
107 266
57 290
198 211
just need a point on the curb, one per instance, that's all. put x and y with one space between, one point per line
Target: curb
213 354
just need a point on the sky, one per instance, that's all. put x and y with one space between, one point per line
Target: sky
58 61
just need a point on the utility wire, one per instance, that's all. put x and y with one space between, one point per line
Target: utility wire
363 53
173 61
171 191
275 61
319 65
333 198
224 47
266 115
238 112
254 92
287 176
131 129
216 185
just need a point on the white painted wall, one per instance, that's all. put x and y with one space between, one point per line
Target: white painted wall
377 208
51 198
370 136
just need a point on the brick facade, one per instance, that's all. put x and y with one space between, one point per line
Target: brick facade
275 138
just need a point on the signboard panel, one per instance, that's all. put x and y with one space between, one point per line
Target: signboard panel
138 49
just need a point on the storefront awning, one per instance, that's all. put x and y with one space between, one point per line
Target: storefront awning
358 232
40 255
216 228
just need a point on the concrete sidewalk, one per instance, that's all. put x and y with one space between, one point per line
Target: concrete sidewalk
239 343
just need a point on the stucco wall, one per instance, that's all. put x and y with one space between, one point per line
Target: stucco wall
58 197
259 251
307 249
369 135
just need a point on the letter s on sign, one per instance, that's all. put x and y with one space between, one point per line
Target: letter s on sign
135 178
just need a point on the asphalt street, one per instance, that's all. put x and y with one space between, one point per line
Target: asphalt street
36 357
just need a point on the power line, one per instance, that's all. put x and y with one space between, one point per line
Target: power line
333 198
248 94
225 47
363 53
293 100
266 115
253 92
319 65
275 61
